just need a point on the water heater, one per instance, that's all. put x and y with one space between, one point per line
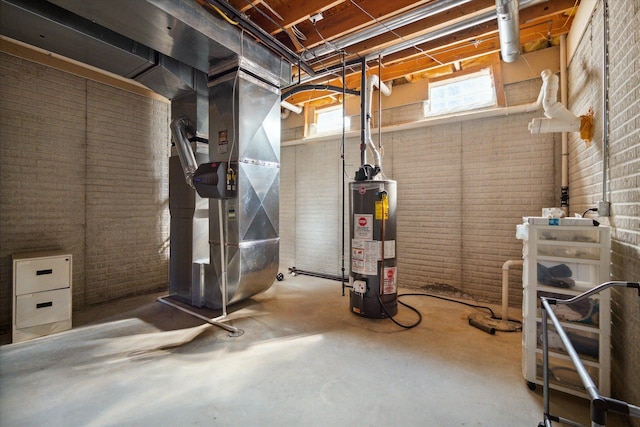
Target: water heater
373 276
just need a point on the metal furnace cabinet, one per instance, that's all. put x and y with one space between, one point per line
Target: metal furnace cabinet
563 261
41 294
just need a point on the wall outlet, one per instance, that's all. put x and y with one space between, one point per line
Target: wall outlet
603 208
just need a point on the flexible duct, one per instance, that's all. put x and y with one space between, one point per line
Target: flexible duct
509 29
187 158
373 81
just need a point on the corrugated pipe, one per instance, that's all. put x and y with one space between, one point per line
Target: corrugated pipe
185 153
509 29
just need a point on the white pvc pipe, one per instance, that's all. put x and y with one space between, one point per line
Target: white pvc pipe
291 107
373 81
559 119
440 120
505 287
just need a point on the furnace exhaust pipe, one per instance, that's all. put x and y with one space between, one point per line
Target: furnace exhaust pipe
183 147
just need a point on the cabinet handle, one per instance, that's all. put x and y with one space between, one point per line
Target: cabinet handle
41 272
44 304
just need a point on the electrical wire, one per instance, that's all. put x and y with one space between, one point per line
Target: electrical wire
415 46
413 325
484 307
222 14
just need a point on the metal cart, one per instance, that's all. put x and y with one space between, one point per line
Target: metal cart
600 405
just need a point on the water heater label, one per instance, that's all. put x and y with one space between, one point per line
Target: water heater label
364 256
382 209
390 280
363 226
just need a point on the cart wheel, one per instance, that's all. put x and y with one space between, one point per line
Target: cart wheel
532 387
280 277
541 424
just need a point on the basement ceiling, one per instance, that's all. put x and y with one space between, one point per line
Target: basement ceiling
316 42
404 40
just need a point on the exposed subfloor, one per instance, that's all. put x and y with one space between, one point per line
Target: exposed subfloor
304 360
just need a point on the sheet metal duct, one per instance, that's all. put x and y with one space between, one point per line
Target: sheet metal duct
509 29
244 124
42 24
179 29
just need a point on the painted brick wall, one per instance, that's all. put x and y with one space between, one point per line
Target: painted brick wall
83 167
126 194
462 188
586 166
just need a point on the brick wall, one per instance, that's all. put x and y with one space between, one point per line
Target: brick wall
83 167
462 188
586 171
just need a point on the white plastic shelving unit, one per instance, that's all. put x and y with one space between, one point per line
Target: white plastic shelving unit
41 294
565 260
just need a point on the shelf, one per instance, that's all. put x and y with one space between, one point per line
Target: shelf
561 262
588 361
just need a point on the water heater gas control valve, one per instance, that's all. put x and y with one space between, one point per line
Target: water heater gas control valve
360 287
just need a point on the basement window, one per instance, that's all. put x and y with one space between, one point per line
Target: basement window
329 120
463 93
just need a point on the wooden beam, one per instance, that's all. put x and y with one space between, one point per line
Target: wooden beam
348 18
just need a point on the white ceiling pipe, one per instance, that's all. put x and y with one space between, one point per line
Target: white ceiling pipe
289 106
436 121
509 29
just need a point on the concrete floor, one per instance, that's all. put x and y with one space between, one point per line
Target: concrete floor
304 360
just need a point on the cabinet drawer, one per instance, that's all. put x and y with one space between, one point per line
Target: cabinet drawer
42 307
570 234
42 274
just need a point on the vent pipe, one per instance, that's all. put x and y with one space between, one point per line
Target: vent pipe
509 29
373 81
187 158
558 118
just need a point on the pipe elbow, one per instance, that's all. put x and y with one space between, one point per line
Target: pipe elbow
512 262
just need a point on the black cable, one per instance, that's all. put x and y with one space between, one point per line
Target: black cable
493 315
589 210
451 300
395 321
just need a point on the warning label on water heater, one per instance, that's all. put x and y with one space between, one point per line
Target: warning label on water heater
390 280
365 255
363 226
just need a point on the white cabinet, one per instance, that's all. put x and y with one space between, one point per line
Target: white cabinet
563 261
41 294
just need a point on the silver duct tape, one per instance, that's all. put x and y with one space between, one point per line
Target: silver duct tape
259 163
